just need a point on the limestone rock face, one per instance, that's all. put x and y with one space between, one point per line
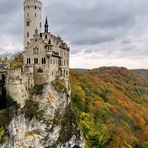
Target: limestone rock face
46 121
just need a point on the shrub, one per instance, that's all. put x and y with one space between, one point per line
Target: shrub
3 135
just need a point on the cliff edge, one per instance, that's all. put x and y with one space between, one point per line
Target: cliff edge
45 121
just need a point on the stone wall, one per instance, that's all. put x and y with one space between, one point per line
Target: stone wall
17 92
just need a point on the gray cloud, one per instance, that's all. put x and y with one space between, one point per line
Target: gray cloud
110 27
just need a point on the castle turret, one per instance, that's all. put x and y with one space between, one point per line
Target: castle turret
46 25
32 19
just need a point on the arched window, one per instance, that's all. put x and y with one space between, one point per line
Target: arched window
28 23
35 60
49 42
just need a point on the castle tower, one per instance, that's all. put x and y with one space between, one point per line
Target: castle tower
32 19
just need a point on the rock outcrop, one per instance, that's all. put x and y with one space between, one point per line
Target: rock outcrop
45 121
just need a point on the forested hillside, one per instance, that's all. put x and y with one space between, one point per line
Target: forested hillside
111 106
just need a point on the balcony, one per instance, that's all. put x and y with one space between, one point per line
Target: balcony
49 53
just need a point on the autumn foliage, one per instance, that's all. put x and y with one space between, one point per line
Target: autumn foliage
111 105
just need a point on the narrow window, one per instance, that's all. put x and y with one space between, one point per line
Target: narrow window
35 14
35 60
27 34
64 73
43 61
35 7
61 73
49 42
28 61
46 36
28 23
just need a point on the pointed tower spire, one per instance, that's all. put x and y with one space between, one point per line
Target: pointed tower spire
46 25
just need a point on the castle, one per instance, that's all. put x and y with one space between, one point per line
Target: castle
45 56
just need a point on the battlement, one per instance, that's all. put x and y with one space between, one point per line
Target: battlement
14 70
14 81
14 73
36 3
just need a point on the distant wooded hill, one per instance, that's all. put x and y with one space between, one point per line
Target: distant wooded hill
141 71
111 105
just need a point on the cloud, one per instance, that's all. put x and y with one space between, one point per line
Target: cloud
105 29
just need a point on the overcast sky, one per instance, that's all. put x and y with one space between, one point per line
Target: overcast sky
99 32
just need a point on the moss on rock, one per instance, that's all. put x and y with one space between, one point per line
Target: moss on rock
59 86
31 109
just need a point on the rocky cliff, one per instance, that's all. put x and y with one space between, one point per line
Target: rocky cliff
45 121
